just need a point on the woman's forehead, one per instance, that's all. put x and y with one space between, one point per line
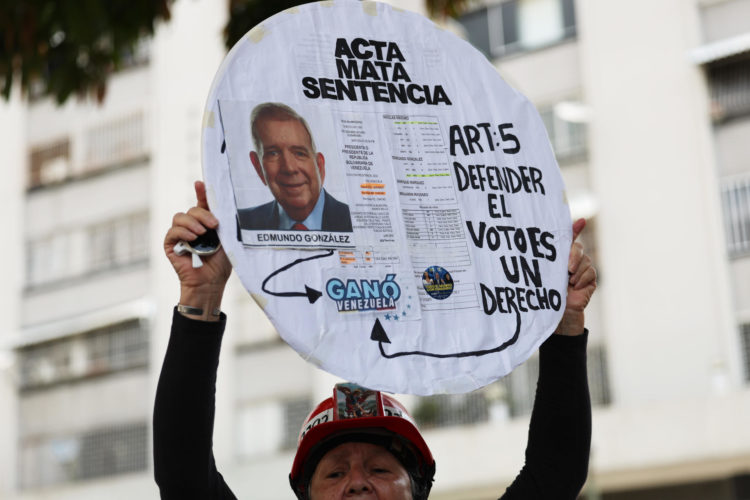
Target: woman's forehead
353 449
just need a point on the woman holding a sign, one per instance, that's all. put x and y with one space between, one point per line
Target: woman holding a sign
359 443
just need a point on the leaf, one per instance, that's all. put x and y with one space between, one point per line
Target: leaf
59 48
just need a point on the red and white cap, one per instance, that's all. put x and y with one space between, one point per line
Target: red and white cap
355 413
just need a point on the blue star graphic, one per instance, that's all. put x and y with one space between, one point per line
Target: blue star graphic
387 316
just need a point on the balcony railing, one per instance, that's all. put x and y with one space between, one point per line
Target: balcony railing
109 349
735 196
102 452
115 143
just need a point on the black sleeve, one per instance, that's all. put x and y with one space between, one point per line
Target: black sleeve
184 412
557 453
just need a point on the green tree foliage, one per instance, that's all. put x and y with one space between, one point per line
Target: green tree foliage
64 47
440 9
245 14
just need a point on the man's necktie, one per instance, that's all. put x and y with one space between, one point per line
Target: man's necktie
298 226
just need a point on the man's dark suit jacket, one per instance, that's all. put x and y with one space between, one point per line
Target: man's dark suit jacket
335 216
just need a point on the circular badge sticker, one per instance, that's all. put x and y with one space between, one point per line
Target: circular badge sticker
437 282
388 200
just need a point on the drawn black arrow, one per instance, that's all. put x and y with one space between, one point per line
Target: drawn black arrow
378 335
311 293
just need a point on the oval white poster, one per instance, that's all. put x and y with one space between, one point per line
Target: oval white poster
390 202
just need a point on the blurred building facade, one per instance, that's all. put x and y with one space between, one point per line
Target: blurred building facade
647 106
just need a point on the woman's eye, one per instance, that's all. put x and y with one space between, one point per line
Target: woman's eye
334 474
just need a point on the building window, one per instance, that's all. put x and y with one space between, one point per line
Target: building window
115 143
729 82
48 259
49 164
295 412
596 364
113 451
568 138
515 26
452 409
745 343
521 383
116 347
111 244
511 396
98 453
118 242
120 142
735 197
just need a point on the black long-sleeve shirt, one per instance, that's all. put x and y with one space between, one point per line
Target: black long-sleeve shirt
556 455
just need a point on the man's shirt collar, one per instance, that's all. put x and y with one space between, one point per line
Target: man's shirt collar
314 221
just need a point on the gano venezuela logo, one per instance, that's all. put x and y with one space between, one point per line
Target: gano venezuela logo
363 294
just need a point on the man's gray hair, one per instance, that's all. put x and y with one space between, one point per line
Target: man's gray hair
279 111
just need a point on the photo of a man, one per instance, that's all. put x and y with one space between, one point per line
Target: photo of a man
288 163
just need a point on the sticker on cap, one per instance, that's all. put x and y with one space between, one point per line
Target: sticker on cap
353 401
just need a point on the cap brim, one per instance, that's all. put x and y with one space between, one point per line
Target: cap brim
399 426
